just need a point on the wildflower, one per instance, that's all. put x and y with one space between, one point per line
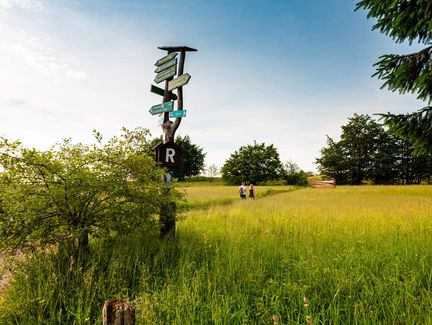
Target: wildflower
275 319
305 302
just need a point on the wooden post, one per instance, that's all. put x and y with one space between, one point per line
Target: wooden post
167 213
118 312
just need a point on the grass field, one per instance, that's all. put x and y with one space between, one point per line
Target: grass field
350 255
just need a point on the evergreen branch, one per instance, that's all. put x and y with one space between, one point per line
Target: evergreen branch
411 73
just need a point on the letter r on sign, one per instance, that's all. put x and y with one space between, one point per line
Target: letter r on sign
170 152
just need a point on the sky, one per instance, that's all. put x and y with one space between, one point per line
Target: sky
282 72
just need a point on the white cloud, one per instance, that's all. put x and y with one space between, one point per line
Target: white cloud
24 4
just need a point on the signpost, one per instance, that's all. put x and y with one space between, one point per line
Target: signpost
166 65
161 108
165 74
179 82
177 113
168 154
161 92
165 59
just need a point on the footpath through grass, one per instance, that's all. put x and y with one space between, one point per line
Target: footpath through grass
203 197
352 255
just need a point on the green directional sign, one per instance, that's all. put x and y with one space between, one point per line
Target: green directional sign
166 65
164 75
161 92
161 108
178 113
165 59
178 82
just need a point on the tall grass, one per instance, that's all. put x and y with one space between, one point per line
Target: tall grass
353 255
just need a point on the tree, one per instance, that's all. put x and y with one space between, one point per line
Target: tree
350 161
193 158
255 164
293 175
409 21
212 171
333 162
73 191
367 151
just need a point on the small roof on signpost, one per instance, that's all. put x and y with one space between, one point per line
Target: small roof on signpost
177 48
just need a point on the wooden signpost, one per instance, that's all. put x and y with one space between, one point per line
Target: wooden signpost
161 92
161 108
165 59
167 153
165 74
167 65
179 82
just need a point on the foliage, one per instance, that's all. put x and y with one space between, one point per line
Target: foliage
72 191
344 250
193 158
293 175
255 164
349 161
416 128
406 20
212 171
251 262
366 151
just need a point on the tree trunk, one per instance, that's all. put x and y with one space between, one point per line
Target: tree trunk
83 242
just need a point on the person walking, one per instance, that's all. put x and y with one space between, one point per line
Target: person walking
242 191
251 191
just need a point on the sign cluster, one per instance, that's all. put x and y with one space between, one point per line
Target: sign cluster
167 152
166 68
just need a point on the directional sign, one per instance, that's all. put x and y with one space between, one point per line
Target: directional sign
161 92
169 155
161 108
177 113
178 82
164 75
166 65
166 59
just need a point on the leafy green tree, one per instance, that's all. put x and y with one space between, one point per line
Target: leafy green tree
333 162
293 175
367 151
409 21
73 191
193 158
255 164
350 161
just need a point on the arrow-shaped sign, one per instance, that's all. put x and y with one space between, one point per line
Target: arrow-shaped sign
178 82
177 113
166 58
164 75
161 108
166 65
161 92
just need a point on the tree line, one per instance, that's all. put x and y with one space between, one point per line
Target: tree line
367 151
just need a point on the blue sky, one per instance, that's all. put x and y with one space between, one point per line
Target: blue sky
282 72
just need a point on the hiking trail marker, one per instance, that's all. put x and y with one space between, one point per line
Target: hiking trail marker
161 108
179 82
167 153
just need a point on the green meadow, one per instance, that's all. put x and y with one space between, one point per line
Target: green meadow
350 255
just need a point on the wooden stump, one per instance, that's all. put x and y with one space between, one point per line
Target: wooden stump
118 312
